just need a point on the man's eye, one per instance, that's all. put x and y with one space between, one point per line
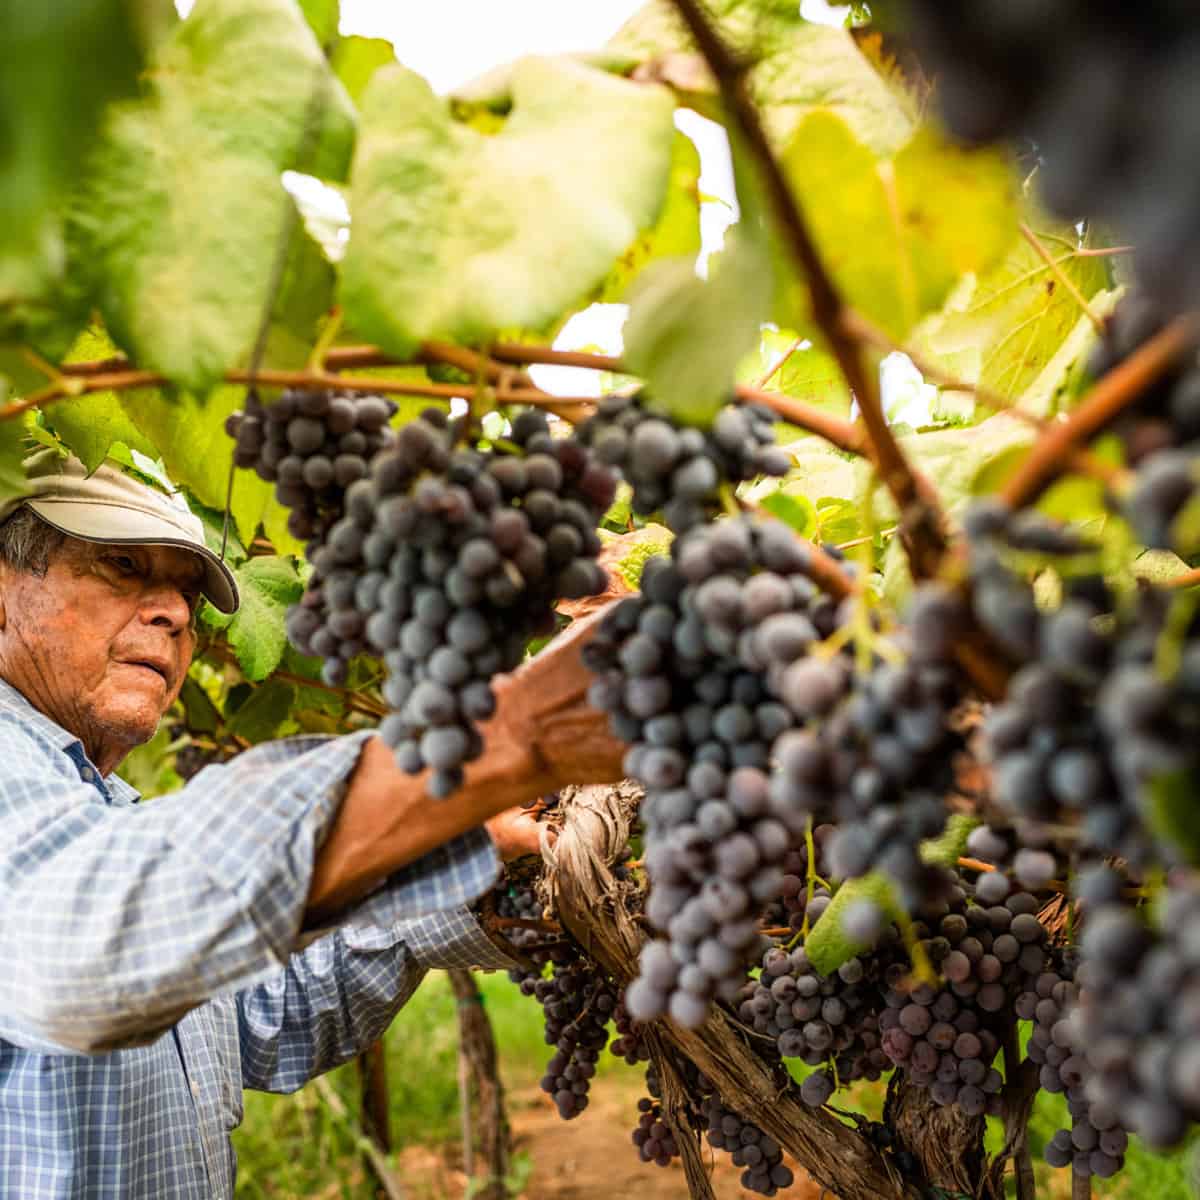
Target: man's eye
125 563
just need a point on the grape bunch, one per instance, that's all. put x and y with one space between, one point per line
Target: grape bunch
765 1171
1090 725
1106 94
312 445
1096 1142
945 1036
687 691
1160 431
654 1140
798 904
449 557
680 470
817 1019
1136 1024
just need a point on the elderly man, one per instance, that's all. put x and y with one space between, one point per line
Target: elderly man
161 957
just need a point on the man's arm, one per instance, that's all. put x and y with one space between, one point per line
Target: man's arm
544 734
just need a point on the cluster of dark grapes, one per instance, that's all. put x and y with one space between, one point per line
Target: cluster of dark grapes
676 681
1160 431
1136 1023
654 1140
1096 1142
681 471
802 899
877 751
1107 96
578 1002
312 445
761 1157
946 1034
449 557
1090 725
822 1019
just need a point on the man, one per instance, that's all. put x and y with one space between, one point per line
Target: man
155 955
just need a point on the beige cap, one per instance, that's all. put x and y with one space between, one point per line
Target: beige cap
110 506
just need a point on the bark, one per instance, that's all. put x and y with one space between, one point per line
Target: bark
478 1047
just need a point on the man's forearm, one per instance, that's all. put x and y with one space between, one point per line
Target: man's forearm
543 735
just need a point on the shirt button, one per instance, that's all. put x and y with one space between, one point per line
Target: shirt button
196 1090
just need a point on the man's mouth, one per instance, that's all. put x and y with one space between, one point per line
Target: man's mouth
150 664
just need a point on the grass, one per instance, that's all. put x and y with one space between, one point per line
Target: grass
292 1146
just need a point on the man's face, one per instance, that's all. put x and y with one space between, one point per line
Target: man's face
102 642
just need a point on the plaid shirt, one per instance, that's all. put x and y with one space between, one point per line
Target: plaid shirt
154 957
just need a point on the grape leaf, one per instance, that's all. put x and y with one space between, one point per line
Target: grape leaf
60 64
263 712
798 512
828 945
685 335
178 219
896 233
1001 329
676 232
267 585
809 373
356 59
90 424
458 235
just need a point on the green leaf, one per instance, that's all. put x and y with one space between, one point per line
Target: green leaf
675 233
1173 813
809 373
356 59
179 218
268 585
897 233
827 944
1001 330
14 446
200 714
189 436
799 512
322 17
459 235
90 424
60 64
685 336
267 708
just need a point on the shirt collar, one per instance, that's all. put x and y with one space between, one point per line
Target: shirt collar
111 787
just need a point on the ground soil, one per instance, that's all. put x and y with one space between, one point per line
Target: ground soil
589 1158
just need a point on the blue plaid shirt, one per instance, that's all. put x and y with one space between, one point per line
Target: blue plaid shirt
154 957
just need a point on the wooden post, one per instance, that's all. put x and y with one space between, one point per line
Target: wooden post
373 1083
477 1047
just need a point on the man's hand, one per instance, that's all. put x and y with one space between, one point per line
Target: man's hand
516 833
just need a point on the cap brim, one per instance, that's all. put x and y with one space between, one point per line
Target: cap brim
91 523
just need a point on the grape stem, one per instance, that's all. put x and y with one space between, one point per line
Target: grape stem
921 515
1120 388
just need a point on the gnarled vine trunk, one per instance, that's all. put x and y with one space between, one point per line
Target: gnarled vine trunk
590 902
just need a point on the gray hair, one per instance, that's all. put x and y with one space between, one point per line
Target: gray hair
27 543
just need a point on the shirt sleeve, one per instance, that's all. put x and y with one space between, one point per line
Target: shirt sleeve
339 995
115 921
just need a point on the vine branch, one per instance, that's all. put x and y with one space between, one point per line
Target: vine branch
1120 388
921 518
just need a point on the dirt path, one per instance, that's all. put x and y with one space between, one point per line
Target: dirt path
590 1158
